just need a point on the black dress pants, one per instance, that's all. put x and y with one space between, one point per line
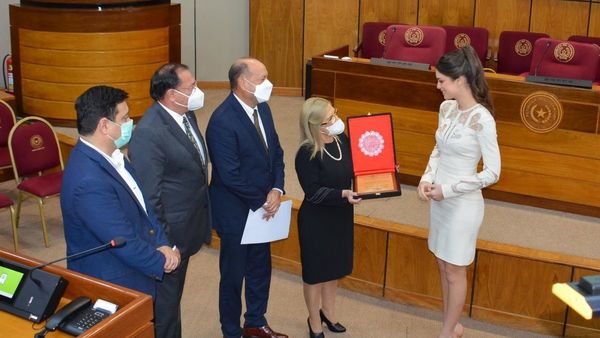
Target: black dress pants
167 309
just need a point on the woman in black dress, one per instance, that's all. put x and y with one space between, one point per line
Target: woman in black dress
326 217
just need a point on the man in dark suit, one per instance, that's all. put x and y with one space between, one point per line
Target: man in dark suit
168 152
100 199
247 162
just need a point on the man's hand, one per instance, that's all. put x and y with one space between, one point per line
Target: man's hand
272 204
172 258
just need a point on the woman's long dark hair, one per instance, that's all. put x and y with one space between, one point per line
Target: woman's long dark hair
464 61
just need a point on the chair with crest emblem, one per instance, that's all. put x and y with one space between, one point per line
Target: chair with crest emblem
7 121
587 39
423 44
460 36
373 40
515 51
37 163
565 59
7 203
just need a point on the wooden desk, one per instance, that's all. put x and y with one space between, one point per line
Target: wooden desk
133 319
557 170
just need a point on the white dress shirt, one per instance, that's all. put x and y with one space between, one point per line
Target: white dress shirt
179 120
118 162
250 112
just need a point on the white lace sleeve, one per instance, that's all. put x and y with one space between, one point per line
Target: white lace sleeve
432 165
434 158
488 142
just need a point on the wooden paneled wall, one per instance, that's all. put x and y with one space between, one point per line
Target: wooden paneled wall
389 11
595 20
559 18
329 23
498 16
446 12
278 25
285 34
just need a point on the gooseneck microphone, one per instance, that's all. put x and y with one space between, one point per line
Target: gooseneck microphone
113 243
388 39
553 80
539 63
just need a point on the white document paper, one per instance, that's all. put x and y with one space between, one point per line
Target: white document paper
258 230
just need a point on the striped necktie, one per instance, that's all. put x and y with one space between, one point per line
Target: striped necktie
188 132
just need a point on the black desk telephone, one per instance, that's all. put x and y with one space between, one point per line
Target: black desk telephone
76 317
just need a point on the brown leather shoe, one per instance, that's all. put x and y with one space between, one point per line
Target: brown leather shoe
262 332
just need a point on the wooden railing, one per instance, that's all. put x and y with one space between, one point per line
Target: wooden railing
508 285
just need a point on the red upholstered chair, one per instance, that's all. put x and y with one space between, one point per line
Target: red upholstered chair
424 44
587 39
373 40
515 51
7 203
7 121
565 59
459 36
34 151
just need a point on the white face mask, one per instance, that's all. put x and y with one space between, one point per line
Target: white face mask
195 99
336 128
262 91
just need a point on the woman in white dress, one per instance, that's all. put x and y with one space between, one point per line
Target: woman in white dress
466 133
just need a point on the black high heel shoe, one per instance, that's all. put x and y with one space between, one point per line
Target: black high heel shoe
337 327
311 334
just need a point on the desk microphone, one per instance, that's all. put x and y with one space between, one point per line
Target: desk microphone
39 295
389 39
537 67
557 81
113 243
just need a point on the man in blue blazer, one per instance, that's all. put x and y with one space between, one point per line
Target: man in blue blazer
100 199
247 174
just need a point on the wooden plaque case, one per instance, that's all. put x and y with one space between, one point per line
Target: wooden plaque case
373 156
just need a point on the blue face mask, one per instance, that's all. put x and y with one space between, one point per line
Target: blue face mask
126 131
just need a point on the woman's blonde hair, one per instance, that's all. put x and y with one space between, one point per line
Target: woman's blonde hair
314 112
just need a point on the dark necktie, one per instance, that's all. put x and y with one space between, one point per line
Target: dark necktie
188 131
257 126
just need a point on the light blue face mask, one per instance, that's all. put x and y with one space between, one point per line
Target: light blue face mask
126 131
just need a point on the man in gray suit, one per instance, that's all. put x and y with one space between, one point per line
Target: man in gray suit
169 155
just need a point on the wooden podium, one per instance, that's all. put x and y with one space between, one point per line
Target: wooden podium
60 48
133 319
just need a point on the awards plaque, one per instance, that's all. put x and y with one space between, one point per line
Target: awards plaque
373 156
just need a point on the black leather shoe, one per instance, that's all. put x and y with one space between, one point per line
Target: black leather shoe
311 334
337 327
